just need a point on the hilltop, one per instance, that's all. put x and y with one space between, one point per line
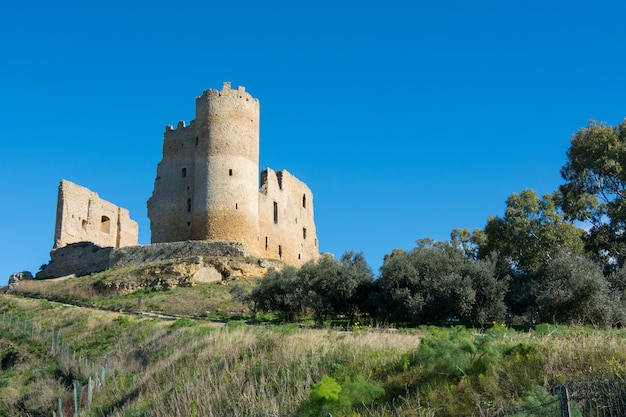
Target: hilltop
201 353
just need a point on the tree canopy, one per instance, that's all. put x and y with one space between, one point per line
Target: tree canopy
595 187
532 263
532 232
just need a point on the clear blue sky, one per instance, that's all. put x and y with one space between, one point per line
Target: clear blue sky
406 118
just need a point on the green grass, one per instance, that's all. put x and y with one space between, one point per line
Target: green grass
202 367
202 300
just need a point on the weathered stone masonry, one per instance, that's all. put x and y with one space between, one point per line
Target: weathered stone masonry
82 216
207 185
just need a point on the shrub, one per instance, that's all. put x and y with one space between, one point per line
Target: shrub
328 397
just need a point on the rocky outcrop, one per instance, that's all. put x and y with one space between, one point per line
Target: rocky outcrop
19 276
81 258
183 273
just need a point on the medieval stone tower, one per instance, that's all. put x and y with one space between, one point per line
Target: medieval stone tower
207 185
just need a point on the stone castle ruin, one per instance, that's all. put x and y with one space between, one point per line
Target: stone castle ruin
208 189
207 185
82 216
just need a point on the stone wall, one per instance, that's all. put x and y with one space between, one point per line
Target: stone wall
286 219
82 216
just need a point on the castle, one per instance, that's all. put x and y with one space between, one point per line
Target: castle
207 185
209 200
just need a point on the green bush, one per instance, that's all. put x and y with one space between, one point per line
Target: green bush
329 397
184 322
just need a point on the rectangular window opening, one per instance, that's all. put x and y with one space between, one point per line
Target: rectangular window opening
275 212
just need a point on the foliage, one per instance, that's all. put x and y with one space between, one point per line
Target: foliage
326 286
536 402
329 397
595 188
532 232
436 282
283 292
337 287
574 290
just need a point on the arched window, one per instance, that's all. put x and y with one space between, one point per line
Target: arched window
105 224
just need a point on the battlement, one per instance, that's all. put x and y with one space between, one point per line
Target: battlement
227 91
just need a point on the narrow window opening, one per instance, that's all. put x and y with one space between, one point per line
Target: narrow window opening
189 205
298 256
265 242
230 172
275 212
196 141
184 172
304 233
188 223
236 206
105 224
304 200
280 252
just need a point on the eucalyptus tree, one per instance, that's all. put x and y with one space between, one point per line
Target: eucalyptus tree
595 188
531 232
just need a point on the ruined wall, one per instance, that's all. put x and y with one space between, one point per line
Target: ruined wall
82 216
170 207
286 219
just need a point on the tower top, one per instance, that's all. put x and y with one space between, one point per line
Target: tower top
228 91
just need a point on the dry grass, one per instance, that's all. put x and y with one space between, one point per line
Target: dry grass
187 367
257 371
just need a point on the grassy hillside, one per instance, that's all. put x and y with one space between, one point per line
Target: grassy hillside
134 289
200 367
